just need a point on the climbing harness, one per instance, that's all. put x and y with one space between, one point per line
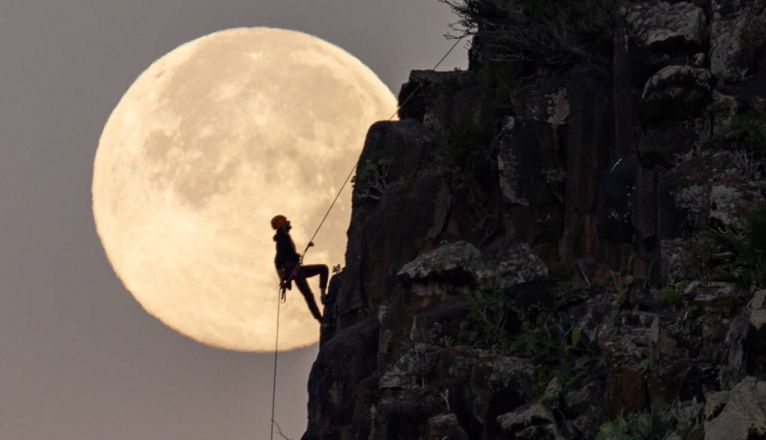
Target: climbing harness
281 292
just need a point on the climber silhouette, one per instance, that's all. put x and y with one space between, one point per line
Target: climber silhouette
290 266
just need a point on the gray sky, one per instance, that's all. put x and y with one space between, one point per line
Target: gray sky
79 359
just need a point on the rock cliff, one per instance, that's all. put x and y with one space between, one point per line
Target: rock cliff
567 240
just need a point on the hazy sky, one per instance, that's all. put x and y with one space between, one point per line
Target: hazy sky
79 358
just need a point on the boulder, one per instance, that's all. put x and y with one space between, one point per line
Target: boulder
457 263
715 403
460 267
743 416
676 93
662 33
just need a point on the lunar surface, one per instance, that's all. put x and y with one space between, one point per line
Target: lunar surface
209 143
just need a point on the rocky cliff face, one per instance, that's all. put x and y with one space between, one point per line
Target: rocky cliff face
561 250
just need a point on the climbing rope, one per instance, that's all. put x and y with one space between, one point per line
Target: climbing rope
276 356
280 295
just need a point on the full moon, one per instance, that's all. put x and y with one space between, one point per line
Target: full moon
205 147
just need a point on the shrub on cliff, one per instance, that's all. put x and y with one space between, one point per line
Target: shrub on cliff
725 256
749 266
551 33
747 131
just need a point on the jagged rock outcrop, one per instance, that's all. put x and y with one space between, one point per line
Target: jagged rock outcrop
560 250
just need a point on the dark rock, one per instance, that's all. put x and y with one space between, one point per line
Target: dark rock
445 427
626 91
676 93
663 143
420 94
441 324
411 368
684 196
500 384
676 261
588 137
645 218
404 415
442 101
545 100
532 296
666 382
593 313
380 243
531 181
343 365
329 313
617 198
752 95
747 339
584 406
626 391
515 265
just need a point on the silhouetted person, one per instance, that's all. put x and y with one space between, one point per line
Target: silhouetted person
287 260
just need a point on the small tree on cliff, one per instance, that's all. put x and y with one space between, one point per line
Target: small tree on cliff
552 33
